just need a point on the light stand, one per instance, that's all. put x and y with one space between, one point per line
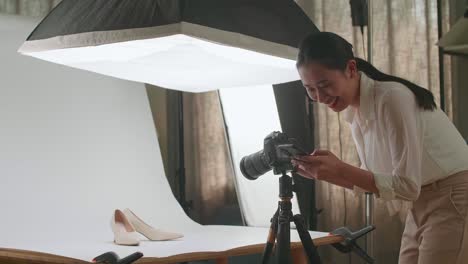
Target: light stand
369 202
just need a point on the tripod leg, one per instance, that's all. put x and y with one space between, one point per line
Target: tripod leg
309 247
271 239
283 239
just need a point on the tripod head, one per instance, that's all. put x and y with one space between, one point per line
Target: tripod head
285 186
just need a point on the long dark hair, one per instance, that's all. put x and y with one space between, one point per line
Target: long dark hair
334 52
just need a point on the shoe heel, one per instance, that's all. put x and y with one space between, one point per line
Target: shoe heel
124 231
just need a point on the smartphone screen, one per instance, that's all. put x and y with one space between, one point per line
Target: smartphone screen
289 151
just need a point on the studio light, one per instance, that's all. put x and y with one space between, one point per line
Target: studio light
187 45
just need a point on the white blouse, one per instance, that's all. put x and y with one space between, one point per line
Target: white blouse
404 146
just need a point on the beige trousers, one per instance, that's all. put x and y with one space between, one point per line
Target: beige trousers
436 229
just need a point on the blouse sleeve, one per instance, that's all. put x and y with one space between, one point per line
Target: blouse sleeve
404 132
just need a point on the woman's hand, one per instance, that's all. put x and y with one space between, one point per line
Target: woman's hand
322 165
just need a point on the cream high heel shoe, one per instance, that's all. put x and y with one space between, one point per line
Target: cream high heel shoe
124 232
148 231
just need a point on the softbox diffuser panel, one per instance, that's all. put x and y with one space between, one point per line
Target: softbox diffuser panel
188 45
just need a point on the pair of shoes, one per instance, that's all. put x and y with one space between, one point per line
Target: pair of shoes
126 226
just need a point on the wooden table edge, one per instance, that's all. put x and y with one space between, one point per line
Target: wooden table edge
18 256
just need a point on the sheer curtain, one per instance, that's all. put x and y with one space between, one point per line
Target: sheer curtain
404 38
35 8
210 178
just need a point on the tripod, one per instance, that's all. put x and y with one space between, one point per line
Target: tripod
280 229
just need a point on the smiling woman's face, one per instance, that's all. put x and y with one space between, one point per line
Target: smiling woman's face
335 88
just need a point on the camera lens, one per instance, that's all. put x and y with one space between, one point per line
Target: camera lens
254 165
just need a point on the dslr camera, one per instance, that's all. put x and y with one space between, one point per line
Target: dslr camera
278 150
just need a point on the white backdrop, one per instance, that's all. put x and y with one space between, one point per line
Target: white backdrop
251 114
73 145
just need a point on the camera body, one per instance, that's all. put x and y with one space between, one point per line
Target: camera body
278 150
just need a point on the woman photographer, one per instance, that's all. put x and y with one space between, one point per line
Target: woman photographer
409 149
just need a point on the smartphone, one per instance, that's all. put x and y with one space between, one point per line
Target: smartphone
288 151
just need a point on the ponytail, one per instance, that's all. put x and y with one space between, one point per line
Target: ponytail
424 97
